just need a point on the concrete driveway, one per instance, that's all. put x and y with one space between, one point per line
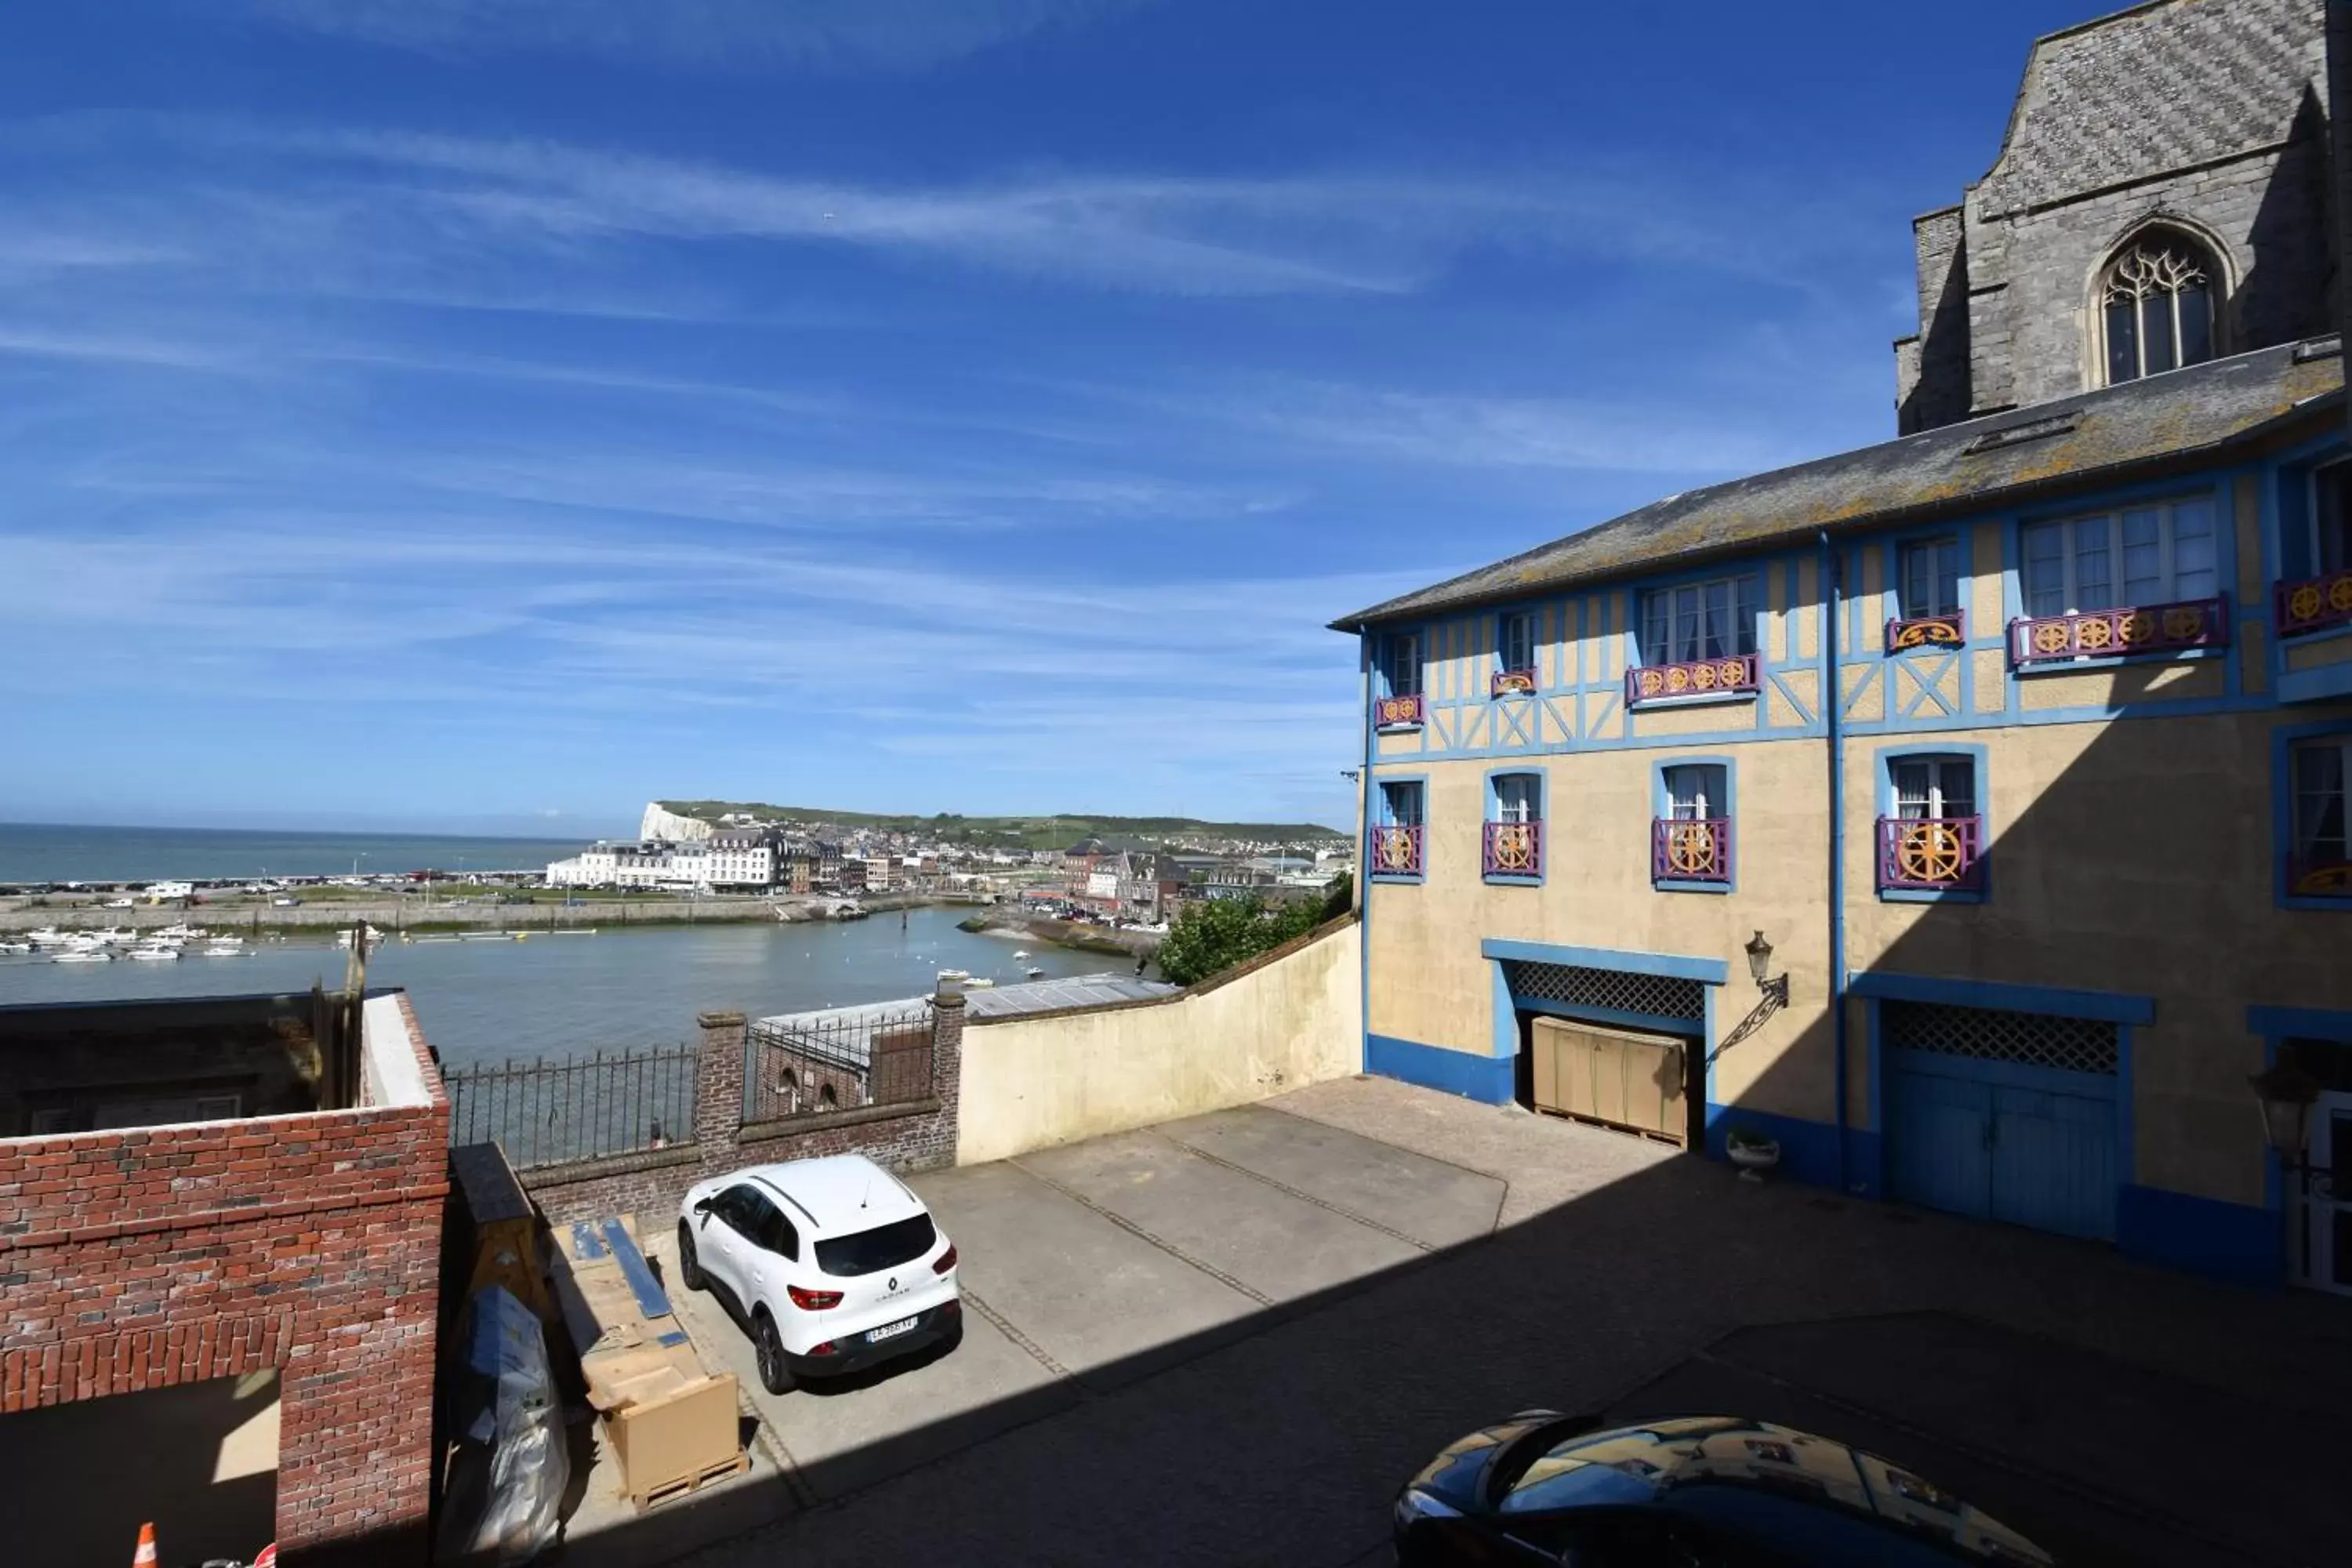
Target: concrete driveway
1227 1340
1092 1266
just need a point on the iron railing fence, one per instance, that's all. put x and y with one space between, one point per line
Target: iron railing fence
838 1061
566 1110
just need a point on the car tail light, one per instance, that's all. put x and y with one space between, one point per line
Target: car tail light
823 1349
950 1307
947 1261
813 1301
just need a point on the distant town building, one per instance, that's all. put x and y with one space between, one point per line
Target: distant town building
744 859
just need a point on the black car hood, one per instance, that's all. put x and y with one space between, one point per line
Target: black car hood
1693 1464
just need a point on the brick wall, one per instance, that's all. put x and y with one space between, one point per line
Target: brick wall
309 1244
918 1135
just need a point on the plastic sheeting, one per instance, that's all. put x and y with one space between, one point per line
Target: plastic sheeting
505 1497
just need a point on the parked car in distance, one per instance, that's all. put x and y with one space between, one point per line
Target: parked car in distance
831 1265
1704 1491
285 903
121 903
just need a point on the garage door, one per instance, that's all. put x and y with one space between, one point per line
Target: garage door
2005 1116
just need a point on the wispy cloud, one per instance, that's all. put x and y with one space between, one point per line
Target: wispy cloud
507 222
724 34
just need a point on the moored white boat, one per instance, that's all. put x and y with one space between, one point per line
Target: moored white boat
155 952
85 956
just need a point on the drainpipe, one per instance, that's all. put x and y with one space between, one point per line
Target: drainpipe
1366 684
1834 705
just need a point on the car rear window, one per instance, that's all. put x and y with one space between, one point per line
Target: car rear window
884 1247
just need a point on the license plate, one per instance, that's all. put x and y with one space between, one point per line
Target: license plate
891 1331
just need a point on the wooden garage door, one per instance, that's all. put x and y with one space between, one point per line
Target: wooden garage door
2004 1116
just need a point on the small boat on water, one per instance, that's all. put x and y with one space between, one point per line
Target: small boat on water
1033 973
85 956
955 974
155 952
1020 953
343 938
982 983
15 947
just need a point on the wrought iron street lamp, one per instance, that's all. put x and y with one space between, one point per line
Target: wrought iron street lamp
2286 1094
1759 967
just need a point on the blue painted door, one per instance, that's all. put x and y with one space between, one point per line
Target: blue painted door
1999 1139
1939 1145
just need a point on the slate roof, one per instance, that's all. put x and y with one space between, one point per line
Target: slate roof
2104 437
2175 86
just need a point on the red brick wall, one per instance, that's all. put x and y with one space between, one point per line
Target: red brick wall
311 1244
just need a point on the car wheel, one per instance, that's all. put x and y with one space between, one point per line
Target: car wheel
689 1268
774 1375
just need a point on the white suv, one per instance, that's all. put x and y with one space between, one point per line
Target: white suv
833 1264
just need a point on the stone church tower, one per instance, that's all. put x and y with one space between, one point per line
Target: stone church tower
2162 196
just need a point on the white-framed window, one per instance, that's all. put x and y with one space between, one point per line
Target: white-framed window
1713 619
1928 578
1934 788
2322 835
2156 306
1518 797
2330 540
1401 664
1516 640
1696 791
1400 803
2153 554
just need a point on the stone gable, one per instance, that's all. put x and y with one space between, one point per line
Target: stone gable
2206 115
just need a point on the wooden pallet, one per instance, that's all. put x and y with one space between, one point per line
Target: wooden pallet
1668 1138
687 1486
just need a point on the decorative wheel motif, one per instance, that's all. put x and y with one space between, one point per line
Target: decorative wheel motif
2303 603
1513 847
1690 849
2138 627
2094 633
2051 636
1678 678
2182 623
1652 682
1704 677
2339 594
1392 849
1930 852
1731 672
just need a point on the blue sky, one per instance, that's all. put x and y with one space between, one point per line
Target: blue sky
454 413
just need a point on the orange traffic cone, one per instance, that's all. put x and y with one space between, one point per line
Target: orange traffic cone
145 1556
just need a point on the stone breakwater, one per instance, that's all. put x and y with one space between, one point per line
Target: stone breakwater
1076 934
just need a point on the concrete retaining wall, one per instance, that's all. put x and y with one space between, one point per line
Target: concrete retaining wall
1291 1018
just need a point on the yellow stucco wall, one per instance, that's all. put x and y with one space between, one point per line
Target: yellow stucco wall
1431 986
2318 652
1029 1083
2095 887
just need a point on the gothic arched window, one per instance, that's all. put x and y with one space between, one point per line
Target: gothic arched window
2157 299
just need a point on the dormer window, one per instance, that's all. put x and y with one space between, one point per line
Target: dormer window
2157 299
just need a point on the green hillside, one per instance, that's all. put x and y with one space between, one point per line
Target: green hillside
1017 832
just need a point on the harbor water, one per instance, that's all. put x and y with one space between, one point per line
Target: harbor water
487 999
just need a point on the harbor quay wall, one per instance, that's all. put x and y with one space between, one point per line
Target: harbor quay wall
397 915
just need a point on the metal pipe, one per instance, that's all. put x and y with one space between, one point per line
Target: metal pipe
1832 705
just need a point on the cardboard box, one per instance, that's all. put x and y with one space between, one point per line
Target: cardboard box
673 1427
